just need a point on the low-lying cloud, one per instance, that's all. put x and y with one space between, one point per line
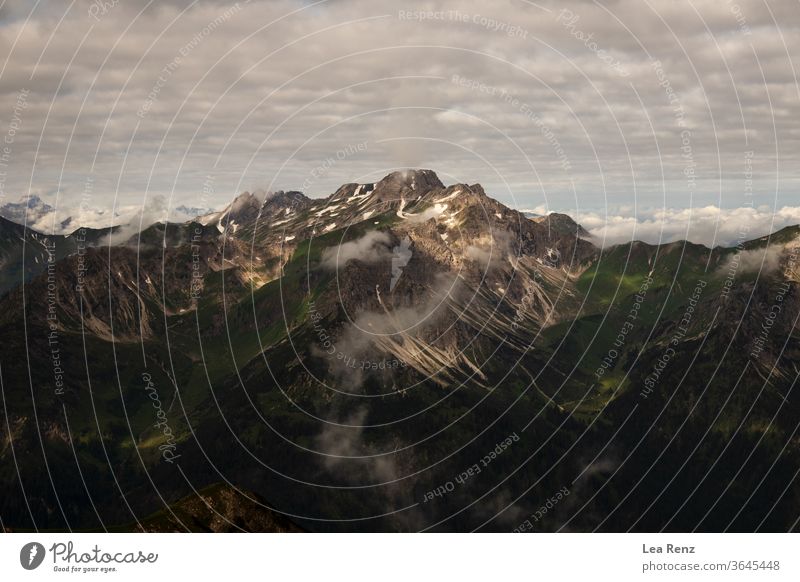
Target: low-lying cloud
763 260
491 250
370 248
348 455
708 225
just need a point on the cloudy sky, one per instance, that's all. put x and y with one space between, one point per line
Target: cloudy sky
620 112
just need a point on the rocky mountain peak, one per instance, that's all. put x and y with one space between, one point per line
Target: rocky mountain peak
284 202
243 200
561 224
244 208
27 209
407 184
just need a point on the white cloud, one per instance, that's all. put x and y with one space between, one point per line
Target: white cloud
68 217
370 248
709 225
764 260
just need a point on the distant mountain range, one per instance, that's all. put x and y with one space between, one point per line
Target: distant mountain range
399 356
27 210
32 210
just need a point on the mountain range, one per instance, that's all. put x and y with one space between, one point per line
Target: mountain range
32 211
399 356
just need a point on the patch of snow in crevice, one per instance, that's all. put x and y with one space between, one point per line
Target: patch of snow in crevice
433 212
450 196
327 209
357 193
207 219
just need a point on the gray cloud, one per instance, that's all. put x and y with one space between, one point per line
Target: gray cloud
350 456
370 248
258 93
154 211
492 250
764 260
